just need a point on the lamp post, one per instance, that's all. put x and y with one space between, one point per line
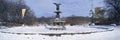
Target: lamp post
92 12
23 11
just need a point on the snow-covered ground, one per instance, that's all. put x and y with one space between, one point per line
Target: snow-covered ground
109 35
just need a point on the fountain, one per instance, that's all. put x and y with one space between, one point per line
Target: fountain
57 23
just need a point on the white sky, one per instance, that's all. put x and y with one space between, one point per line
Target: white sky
68 7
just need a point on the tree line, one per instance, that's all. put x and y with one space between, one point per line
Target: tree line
73 20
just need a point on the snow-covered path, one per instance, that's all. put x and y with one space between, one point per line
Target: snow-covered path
110 35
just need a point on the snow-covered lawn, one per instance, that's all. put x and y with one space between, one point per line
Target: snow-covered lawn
109 35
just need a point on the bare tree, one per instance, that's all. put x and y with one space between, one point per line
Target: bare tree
10 12
113 10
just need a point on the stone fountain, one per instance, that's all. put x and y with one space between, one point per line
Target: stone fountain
57 23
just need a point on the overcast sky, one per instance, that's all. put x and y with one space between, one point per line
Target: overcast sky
68 7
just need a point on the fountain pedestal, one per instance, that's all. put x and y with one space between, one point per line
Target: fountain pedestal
57 24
